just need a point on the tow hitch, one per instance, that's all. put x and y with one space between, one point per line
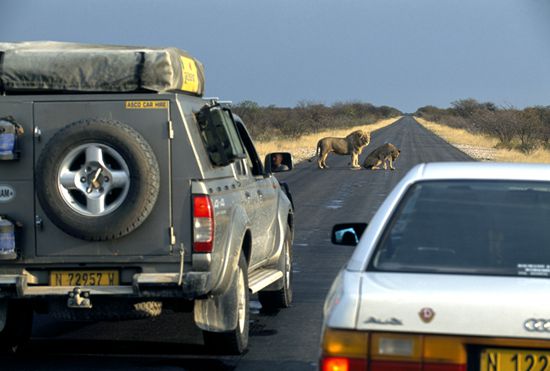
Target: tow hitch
79 299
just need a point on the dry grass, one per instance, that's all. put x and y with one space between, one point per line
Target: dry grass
304 147
462 139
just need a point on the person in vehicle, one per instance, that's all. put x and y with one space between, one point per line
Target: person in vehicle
277 163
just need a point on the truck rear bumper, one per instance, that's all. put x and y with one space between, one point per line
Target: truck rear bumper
149 285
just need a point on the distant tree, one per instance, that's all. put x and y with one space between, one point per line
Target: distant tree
529 129
545 134
387 111
502 123
247 104
431 113
466 107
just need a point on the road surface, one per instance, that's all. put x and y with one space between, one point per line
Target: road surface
285 341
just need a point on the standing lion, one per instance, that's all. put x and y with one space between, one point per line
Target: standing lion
352 145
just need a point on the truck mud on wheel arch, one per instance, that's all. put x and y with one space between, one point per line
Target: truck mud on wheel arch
124 192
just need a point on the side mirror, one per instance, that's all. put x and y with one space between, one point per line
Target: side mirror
278 162
347 234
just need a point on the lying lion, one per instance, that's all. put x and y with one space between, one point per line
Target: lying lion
352 145
386 152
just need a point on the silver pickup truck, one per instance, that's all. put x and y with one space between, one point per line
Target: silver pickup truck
124 192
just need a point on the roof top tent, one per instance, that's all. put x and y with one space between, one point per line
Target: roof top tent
46 66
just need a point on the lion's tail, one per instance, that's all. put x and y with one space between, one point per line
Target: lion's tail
317 152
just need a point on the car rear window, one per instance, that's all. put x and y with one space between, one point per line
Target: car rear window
470 227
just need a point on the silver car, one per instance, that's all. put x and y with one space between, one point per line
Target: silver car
453 273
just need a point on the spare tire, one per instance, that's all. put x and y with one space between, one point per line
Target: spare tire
97 179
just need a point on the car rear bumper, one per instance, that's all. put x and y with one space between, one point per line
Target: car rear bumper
149 285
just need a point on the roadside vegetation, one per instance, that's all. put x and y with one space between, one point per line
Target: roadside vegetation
297 130
512 134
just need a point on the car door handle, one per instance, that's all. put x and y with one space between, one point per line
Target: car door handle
261 195
247 195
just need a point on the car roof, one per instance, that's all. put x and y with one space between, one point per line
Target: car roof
480 170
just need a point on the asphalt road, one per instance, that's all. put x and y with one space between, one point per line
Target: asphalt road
287 340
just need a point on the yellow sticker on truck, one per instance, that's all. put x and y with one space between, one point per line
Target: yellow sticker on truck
146 104
190 76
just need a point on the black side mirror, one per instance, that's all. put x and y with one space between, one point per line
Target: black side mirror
347 234
278 162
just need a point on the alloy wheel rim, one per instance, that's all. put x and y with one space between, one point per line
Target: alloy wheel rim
93 179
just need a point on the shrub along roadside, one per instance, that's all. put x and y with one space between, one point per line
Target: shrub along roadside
275 123
524 130
483 147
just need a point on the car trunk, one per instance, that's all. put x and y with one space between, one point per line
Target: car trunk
453 304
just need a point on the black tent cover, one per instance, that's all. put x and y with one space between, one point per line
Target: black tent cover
72 67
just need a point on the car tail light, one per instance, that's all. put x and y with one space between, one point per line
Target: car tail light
343 364
203 224
354 350
344 350
400 346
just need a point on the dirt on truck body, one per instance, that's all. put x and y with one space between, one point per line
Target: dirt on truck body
123 192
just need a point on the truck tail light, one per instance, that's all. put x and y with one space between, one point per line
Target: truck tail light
203 224
7 240
362 350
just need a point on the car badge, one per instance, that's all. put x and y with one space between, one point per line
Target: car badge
426 314
389 321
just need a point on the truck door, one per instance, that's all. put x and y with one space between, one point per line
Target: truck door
265 190
107 167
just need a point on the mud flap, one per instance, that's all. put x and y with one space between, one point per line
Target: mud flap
218 313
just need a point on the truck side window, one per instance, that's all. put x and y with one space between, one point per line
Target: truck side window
219 135
255 162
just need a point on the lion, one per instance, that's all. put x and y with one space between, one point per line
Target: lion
352 144
386 152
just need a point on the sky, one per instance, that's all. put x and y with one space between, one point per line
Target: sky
401 53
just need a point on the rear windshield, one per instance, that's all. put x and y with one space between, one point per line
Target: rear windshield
476 227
